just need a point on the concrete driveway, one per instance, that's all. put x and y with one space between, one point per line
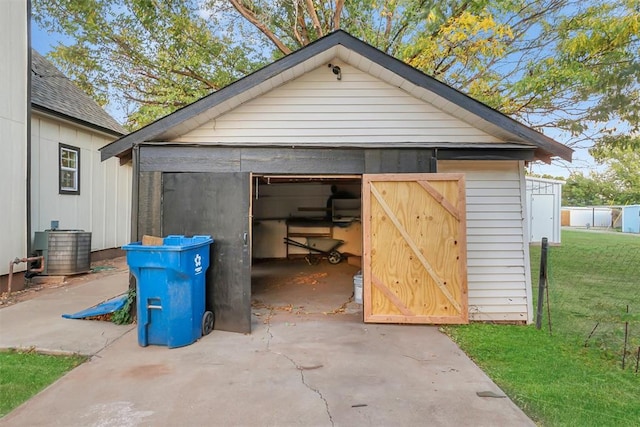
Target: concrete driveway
307 370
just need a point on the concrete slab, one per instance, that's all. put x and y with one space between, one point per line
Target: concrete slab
311 370
310 365
37 323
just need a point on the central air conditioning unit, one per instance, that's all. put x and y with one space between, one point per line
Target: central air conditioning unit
64 251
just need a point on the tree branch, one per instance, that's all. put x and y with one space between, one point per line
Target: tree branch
337 14
195 76
304 37
253 19
314 17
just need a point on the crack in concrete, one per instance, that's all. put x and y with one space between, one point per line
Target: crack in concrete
269 334
342 308
301 369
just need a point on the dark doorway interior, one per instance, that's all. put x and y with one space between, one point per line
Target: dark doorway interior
287 277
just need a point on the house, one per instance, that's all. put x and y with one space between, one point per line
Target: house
439 183
56 177
70 186
544 203
14 123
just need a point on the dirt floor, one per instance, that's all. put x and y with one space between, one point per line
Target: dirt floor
298 287
40 286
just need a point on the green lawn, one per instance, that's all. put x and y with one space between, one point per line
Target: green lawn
22 375
554 378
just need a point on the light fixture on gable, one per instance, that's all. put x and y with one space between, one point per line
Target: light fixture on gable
336 70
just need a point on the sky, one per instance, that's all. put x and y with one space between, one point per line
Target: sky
44 42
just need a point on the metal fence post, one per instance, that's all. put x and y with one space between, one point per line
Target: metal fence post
542 281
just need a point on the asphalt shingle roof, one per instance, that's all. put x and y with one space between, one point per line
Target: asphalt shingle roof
53 91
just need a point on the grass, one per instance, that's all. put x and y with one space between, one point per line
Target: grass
22 375
556 379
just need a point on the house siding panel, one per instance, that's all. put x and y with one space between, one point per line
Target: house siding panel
103 206
317 108
498 256
13 128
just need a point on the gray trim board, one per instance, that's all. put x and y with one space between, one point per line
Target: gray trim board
350 145
339 37
284 160
486 154
296 160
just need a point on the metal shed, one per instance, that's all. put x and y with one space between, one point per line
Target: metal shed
439 175
631 219
544 203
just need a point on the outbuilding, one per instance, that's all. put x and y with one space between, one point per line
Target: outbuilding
588 216
544 203
631 219
437 205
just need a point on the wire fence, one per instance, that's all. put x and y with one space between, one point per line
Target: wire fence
594 298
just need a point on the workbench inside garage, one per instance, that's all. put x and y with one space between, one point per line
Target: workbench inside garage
268 236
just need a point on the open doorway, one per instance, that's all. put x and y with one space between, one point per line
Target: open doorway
299 223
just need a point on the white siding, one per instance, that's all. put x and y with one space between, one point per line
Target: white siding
499 275
104 203
13 133
316 108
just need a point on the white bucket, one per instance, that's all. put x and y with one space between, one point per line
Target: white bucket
357 287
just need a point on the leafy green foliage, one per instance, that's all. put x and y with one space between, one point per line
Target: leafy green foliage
124 316
559 64
155 56
591 190
22 375
619 184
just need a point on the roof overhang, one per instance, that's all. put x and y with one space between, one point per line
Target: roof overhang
345 47
47 112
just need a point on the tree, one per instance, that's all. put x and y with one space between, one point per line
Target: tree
592 190
618 184
149 56
550 63
624 173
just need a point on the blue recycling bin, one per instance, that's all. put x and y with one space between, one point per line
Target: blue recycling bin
170 290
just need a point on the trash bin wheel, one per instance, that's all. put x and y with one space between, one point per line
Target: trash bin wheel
207 323
335 257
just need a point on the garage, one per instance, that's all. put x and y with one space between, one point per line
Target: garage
437 208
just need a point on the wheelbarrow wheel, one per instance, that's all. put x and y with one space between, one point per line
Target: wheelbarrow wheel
334 257
207 323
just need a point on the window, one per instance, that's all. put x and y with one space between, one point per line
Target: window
69 171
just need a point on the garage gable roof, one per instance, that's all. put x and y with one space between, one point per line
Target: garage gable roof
340 44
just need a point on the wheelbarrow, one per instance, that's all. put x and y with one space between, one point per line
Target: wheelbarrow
322 246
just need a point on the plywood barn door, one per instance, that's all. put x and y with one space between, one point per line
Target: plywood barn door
414 261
